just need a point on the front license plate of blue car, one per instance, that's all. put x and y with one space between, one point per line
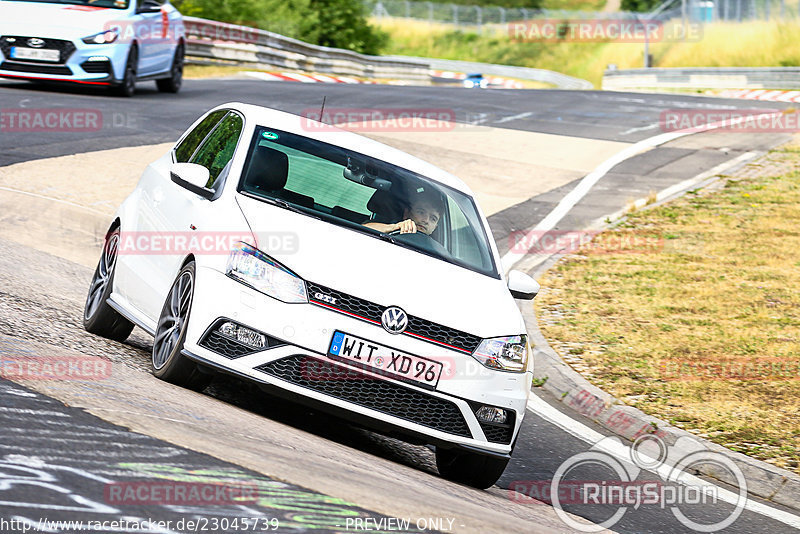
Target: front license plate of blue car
385 360
40 54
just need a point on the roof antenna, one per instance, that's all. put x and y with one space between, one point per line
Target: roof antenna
322 109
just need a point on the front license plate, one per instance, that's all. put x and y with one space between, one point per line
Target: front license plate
385 360
41 54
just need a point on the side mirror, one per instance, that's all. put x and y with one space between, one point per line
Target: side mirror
148 6
193 177
522 286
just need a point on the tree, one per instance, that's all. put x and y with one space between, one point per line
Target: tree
640 5
342 24
336 23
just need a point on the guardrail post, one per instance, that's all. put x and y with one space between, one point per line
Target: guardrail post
683 15
455 13
479 16
408 9
502 15
524 14
430 12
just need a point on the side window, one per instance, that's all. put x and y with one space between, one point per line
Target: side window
464 243
218 149
184 151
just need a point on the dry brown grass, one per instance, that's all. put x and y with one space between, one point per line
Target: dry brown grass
212 71
703 331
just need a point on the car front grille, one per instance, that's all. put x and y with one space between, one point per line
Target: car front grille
66 48
371 312
374 393
500 433
35 69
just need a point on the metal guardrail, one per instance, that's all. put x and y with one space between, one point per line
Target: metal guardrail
212 42
703 78
220 43
562 81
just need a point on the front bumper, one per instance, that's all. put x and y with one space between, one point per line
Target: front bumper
78 62
303 332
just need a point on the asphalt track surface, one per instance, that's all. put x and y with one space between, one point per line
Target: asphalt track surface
31 419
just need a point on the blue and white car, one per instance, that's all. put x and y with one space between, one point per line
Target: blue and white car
111 43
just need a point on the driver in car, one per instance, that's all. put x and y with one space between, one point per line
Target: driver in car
422 214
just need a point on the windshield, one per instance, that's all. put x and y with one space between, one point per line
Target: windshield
366 194
114 4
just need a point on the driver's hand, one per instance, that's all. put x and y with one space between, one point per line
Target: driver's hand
406 227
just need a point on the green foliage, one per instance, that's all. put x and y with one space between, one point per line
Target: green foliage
292 18
336 23
342 25
527 4
640 5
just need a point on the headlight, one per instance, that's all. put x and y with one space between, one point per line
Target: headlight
508 353
254 268
104 37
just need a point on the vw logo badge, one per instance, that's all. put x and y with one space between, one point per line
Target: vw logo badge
394 320
35 42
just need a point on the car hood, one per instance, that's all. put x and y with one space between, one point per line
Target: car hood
384 273
58 21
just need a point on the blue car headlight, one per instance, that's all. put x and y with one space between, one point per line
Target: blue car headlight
252 267
104 37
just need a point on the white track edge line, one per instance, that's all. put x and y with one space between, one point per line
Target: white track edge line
58 200
510 258
619 450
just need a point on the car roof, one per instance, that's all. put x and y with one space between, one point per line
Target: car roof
306 127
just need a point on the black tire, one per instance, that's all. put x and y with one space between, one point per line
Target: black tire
167 361
98 317
175 80
127 87
476 470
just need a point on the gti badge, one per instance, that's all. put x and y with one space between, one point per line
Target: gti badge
394 320
324 298
35 42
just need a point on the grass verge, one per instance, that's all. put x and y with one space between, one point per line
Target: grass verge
702 330
752 44
212 71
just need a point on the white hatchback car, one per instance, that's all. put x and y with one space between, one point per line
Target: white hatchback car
265 245
111 43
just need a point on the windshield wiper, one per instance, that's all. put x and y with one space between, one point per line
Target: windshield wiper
282 204
390 239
